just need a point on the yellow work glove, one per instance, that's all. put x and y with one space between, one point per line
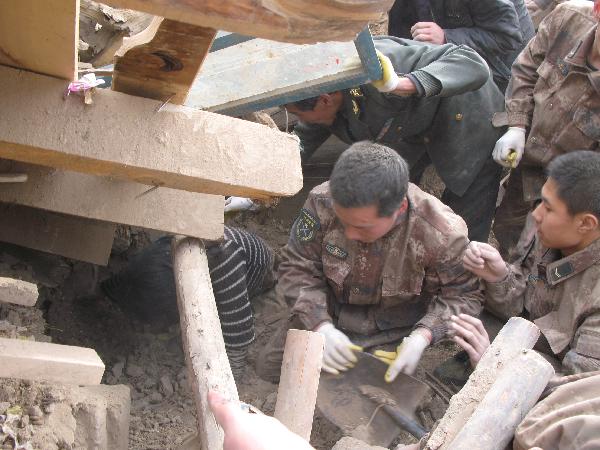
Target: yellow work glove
390 79
405 358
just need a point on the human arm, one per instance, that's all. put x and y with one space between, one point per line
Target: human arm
444 70
495 30
584 355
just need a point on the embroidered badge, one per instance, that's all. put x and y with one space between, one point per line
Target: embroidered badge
356 92
336 251
306 226
561 271
355 108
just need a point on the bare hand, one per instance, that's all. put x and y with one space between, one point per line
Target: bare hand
470 335
244 431
485 262
428 32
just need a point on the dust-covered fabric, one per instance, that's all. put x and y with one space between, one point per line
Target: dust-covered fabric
412 276
569 418
560 294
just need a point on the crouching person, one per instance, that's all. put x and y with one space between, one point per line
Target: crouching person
370 253
241 267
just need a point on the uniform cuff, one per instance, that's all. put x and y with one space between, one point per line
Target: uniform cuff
499 289
437 326
430 85
518 119
313 318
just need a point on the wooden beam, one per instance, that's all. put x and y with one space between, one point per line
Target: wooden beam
116 201
203 344
297 21
43 361
125 137
517 335
299 384
514 392
40 36
18 292
73 237
164 67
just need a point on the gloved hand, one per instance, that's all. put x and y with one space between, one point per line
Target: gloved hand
239 204
405 358
508 150
338 352
390 79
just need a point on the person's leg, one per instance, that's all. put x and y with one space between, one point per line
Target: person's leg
268 363
511 215
477 205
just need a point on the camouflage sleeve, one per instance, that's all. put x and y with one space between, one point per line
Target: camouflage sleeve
301 279
539 9
524 75
458 289
584 355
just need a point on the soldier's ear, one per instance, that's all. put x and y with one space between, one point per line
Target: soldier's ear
588 222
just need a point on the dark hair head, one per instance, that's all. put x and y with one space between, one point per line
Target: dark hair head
369 174
577 177
308 104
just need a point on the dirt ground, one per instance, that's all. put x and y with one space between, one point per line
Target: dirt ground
149 358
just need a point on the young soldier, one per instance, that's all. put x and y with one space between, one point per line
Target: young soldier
371 254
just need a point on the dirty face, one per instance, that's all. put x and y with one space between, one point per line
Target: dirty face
364 224
556 227
324 112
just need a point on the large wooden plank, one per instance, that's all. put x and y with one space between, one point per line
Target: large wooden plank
116 201
125 137
43 361
162 66
73 237
298 21
40 36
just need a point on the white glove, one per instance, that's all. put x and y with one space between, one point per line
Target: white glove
338 352
406 357
508 150
239 204
390 79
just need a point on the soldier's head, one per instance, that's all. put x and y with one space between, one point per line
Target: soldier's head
568 217
368 186
319 110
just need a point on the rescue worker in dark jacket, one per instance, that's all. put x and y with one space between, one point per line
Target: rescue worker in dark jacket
496 29
438 111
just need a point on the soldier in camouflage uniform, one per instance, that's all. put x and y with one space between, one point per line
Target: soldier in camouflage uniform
555 281
369 254
440 113
554 96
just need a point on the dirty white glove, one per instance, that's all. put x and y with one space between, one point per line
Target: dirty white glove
390 79
406 357
239 204
338 352
508 150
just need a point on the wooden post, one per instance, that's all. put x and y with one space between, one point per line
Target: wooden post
518 334
299 383
201 334
515 391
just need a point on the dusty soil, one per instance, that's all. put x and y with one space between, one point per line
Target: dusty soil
149 358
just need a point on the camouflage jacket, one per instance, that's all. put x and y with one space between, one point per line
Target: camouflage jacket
554 93
411 276
539 9
561 295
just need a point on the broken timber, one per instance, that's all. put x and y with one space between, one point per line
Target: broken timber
43 361
125 137
117 201
297 21
73 237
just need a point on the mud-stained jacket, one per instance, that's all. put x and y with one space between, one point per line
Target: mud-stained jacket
569 418
554 93
561 295
496 29
539 9
411 276
450 119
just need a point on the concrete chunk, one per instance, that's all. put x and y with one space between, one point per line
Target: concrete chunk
18 292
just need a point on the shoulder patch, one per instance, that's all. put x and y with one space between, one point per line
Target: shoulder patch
306 226
561 271
336 251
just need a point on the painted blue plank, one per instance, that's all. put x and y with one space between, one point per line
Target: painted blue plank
368 56
225 39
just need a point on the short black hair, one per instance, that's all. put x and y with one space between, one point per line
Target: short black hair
577 176
308 104
369 174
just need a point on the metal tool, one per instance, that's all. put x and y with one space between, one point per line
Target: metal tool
342 400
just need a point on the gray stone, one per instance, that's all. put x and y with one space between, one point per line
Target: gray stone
117 369
166 386
4 406
350 443
156 397
134 370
